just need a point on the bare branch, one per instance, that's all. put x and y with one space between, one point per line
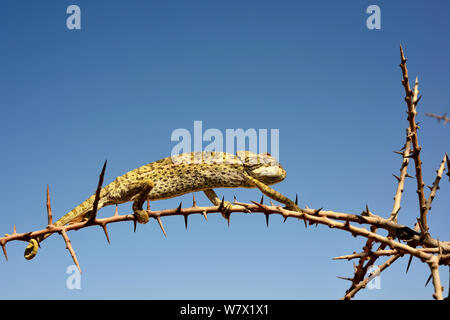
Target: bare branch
350 294
438 117
433 263
379 253
435 186
402 178
411 101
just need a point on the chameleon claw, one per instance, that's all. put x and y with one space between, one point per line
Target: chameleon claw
31 249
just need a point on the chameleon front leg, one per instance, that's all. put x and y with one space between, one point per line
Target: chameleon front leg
142 196
273 194
212 196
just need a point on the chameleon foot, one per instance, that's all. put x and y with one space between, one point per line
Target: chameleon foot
141 216
225 209
144 190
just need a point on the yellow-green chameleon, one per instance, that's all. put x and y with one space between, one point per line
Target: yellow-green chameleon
180 174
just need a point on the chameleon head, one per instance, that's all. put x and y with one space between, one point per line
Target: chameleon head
262 167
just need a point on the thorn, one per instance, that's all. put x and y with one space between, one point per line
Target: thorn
267 219
398 152
228 216
204 214
221 204
97 194
409 263
14 229
106 233
4 252
347 223
194 203
179 208
409 176
367 212
285 218
396 177
296 199
185 221
234 199
135 224
428 280
262 199
417 101
345 278
49 208
259 204
316 213
161 225
116 211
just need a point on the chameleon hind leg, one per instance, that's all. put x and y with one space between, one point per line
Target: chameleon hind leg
273 194
142 195
226 206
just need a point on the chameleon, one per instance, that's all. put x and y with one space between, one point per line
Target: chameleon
181 174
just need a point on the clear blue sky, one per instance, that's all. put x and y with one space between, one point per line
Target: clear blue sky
137 70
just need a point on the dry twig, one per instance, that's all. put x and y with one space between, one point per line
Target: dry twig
438 117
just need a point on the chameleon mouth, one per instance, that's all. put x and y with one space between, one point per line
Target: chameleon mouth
268 172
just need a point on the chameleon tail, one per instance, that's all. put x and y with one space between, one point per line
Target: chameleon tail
75 215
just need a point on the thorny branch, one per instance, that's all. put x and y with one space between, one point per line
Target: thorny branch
438 117
400 240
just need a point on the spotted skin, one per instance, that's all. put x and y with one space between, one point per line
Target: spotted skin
177 175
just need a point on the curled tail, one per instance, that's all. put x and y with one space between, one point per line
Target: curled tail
75 215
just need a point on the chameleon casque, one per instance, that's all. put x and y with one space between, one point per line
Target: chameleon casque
180 174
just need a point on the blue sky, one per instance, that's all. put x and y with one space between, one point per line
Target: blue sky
138 70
